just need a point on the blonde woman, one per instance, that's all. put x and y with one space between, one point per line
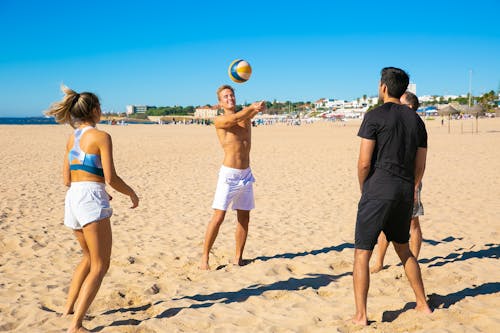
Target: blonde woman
88 165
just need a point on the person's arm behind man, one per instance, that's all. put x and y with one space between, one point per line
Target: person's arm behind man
421 155
364 160
420 160
227 121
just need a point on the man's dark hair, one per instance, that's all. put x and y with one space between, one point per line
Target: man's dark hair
396 81
411 100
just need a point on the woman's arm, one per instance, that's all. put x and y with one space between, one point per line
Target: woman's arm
66 171
106 149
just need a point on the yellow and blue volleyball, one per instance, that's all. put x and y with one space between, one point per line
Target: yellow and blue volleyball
239 71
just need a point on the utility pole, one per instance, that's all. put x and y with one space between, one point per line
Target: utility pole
470 96
470 87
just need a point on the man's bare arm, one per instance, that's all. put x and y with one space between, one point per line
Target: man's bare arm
227 121
364 160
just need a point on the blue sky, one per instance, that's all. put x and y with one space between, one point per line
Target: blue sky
177 53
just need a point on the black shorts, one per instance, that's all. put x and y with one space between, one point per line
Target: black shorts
390 216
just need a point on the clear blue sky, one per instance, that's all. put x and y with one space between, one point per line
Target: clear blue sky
177 52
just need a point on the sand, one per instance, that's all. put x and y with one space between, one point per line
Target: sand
300 242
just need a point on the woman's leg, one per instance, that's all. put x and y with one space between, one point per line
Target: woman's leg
98 238
81 272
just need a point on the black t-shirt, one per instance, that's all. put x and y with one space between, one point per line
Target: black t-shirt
398 132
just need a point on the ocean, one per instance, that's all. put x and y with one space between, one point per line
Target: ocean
51 121
27 121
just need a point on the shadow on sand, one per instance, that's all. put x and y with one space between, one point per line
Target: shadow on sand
445 301
492 251
444 240
338 248
314 281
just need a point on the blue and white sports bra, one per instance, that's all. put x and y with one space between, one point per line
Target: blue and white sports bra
88 162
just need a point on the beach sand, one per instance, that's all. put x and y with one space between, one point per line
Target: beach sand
300 242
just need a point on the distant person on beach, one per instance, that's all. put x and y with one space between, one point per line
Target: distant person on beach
391 161
411 100
235 177
88 165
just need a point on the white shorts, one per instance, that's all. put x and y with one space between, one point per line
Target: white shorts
86 202
236 186
418 208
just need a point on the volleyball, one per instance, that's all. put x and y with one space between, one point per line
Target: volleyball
239 71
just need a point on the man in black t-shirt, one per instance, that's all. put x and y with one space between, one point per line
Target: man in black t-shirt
411 100
391 161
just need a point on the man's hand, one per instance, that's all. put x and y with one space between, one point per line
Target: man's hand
258 107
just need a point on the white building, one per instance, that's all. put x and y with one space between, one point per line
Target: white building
412 87
131 109
329 103
206 112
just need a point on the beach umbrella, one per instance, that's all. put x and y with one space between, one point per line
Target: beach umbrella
447 111
475 110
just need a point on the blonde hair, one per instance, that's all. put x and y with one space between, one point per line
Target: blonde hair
74 108
226 86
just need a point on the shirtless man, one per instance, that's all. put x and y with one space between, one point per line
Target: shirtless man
235 177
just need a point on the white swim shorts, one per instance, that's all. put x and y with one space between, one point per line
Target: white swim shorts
86 202
236 186
418 208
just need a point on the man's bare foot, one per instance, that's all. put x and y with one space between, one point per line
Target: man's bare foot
238 262
359 320
241 262
376 268
80 329
67 312
424 309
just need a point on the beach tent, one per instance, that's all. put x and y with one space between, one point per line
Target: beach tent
431 110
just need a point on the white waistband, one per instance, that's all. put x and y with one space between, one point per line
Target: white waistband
88 184
233 170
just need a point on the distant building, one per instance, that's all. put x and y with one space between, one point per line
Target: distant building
206 112
131 109
412 87
329 103
336 104
427 98
320 103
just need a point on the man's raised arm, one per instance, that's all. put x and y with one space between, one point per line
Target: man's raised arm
227 121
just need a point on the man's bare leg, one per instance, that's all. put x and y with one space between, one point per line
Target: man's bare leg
361 281
382 245
412 271
415 237
211 235
241 235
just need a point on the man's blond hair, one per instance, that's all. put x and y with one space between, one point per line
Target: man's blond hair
226 86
